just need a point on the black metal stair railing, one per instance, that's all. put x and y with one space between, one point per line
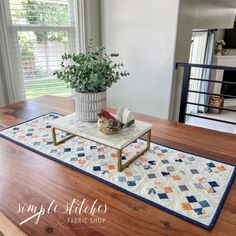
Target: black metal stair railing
186 90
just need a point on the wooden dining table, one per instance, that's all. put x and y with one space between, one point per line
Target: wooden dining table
27 177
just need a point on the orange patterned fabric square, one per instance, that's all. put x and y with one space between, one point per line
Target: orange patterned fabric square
128 173
221 168
111 167
160 154
81 161
186 206
81 141
100 149
210 190
126 153
114 155
176 177
168 189
181 155
143 159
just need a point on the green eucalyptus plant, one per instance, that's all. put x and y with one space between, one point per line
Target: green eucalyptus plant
92 72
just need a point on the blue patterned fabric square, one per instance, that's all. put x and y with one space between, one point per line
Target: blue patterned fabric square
213 184
170 168
204 203
53 151
152 162
165 161
194 171
48 126
151 176
183 187
37 143
191 199
49 143
211 164
101 156
28 134
151 151
137 177
67 150
191 158
123 158
151 191
121 179
198 186
141 142
156 148
199 211
131 183
165 173
164 150
97 168
147 167
162 195
81 155
93 147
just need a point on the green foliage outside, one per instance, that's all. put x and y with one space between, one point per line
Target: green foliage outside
46 13
45 86
26 49
41 13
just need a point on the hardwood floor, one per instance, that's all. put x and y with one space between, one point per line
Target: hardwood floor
28 177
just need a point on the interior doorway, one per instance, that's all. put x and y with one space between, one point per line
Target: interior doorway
197 54
201 52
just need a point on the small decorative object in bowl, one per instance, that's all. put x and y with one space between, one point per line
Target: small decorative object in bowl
108 124
219 46
90 75
225 52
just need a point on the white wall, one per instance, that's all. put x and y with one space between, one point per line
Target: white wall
143 32
201 14
220 34
93 21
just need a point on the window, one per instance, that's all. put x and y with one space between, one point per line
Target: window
40 32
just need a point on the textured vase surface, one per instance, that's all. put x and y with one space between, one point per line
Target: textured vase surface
88 105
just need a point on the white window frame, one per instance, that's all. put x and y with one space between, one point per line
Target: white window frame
78 9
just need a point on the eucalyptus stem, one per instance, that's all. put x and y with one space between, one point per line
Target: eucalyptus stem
92 72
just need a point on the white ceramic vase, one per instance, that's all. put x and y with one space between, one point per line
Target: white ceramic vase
87 105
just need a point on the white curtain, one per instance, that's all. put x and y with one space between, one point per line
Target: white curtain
8 83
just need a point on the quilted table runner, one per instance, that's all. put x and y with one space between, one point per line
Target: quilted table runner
186 185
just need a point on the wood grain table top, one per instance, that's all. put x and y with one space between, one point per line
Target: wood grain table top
26 177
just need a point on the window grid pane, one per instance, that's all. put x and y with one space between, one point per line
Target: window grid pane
37 54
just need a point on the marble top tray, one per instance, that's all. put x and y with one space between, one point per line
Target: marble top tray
90 131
